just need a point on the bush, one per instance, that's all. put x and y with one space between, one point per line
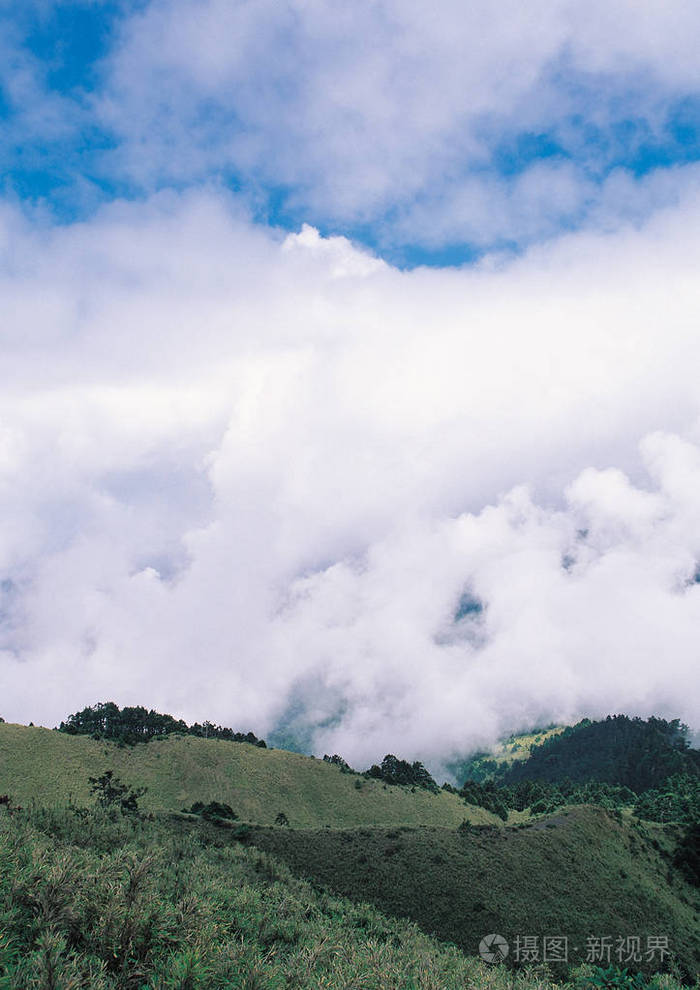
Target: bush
212 811
611 979
110 792
687 857
105 902
338 761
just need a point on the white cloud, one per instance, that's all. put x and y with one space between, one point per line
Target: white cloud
239 470
355 113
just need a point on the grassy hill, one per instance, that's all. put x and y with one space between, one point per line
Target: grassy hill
578 873
90 901
49 768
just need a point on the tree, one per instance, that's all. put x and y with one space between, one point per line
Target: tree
396 771
137 724
338 761
110 791
212 811
687 856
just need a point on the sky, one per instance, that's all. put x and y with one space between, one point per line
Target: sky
348 365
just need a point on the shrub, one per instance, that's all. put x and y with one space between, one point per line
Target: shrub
687 857
212 811
338 761
109 792
611 979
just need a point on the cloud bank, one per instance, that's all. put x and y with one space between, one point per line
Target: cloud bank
477 125
270 480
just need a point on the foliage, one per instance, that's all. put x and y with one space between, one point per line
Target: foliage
612 978
109 791
627 752
486 796
578 873
687 857
136 724
338 761
678 800
93 902
542 797
395 771
213 810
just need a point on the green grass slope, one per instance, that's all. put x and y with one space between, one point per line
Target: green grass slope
90 901
49 767
578 873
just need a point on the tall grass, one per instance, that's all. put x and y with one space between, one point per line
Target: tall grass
93 900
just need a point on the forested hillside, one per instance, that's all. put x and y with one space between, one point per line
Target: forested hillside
618 762
627 752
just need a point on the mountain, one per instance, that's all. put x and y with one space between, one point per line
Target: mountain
235 878
618 762
627 752
618 750
48 767
580 872
108 902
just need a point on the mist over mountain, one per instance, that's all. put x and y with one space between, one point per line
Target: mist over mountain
350 393
385 509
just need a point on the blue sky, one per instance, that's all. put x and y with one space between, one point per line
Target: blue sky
342 122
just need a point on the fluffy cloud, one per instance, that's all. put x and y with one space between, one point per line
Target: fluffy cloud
352 114
251 477
475 126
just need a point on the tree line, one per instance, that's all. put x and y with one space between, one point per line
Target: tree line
392 771
131 725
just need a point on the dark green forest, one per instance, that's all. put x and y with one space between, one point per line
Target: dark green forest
131 725
628 752
617 762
